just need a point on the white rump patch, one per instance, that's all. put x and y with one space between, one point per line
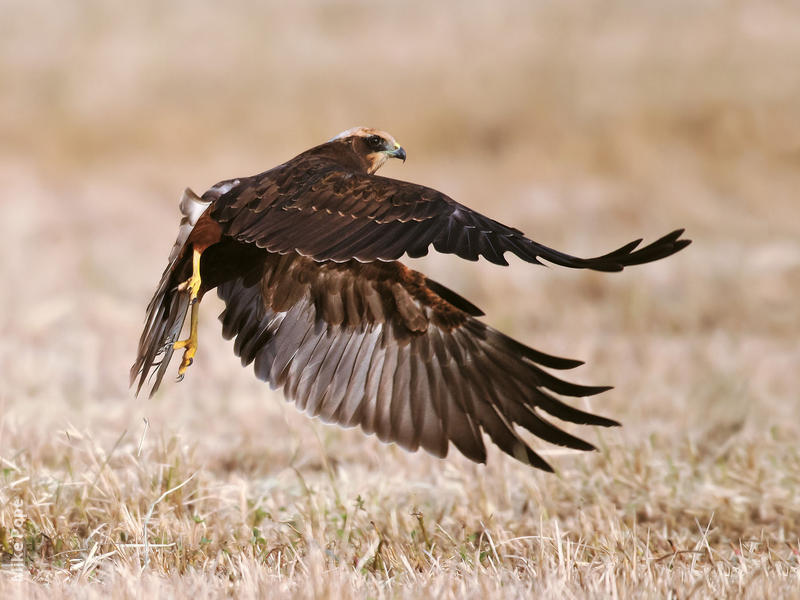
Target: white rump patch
192 208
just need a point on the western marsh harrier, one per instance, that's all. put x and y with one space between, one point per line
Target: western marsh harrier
305 257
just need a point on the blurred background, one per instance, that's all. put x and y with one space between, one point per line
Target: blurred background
584 124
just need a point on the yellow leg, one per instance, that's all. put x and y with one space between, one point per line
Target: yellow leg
192 285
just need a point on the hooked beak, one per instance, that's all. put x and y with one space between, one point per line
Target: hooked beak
398 152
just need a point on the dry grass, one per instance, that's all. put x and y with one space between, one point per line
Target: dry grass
583 124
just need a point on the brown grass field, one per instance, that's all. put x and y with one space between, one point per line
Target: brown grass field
584 124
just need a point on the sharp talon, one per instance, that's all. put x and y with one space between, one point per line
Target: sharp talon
180 377
189 364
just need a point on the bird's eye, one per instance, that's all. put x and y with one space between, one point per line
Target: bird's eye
375 141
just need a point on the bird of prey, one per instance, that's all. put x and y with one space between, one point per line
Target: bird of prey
305 258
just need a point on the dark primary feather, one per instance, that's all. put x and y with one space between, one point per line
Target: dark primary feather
376 345
318 206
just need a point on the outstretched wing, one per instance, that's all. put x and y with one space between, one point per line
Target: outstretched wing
320 210
381 346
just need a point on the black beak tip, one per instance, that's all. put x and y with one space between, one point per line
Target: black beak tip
400 153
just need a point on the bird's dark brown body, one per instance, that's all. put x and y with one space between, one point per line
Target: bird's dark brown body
305 258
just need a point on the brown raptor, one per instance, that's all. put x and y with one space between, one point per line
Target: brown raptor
305 257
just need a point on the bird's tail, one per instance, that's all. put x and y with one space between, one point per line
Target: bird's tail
167 310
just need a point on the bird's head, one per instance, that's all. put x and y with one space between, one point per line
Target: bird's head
373 146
